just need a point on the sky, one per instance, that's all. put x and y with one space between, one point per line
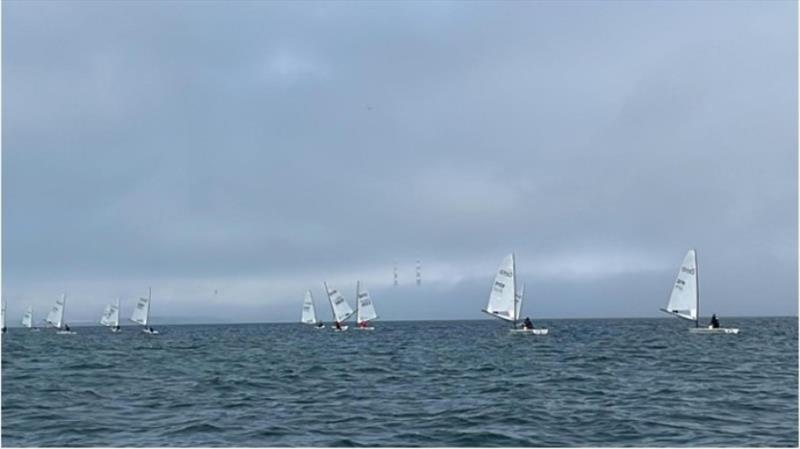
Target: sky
261 148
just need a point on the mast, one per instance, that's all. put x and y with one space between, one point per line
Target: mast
358 302
117 320
697 289
514 286
149 298
328 293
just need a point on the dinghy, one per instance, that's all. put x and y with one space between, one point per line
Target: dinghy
340 308
309 312
141 314
110 317
684 302
27 320
365 309
56 316
504 301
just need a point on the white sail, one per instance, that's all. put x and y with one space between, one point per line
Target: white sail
141 313
341 309
502 297
520 295
56 315
27 319
683 300
111 315
309 314
364 305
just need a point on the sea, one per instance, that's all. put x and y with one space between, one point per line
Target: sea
590 382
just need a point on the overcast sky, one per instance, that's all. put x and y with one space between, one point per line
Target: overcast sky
261 148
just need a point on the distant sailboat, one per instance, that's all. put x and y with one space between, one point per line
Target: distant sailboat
3 318
504 301
27 320
684 302
56 316
365 308
141 314
309 312
340 308
110 317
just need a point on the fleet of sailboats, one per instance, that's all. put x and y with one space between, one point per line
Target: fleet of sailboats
505 303
110 317
684 301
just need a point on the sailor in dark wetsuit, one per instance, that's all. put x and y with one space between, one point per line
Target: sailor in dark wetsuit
338 326
66 327
714 324
320 324
527 324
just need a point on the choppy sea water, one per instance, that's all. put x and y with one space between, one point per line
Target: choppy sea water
642 382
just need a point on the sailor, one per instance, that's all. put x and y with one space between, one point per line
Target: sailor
320 324
527 324
338 326
363 324
66 327
714 324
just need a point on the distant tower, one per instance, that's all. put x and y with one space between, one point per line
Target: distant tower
419 273
395 274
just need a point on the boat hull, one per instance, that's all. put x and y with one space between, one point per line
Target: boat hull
344 328
150 332
364 328
530 331
719 330
66 332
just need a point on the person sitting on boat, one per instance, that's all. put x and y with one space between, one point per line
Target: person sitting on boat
338 326
363 324
527 324
66 327
320 324
115 328
714 324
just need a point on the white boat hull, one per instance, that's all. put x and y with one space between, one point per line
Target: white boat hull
66 332
530 331
150 332
364 328
343 328
719 330
320 327
115 330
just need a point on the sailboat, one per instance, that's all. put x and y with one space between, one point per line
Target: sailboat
3 317
141 314
110 317
27 320
340 308
684 302
365 309
56 316
309 313
505 302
